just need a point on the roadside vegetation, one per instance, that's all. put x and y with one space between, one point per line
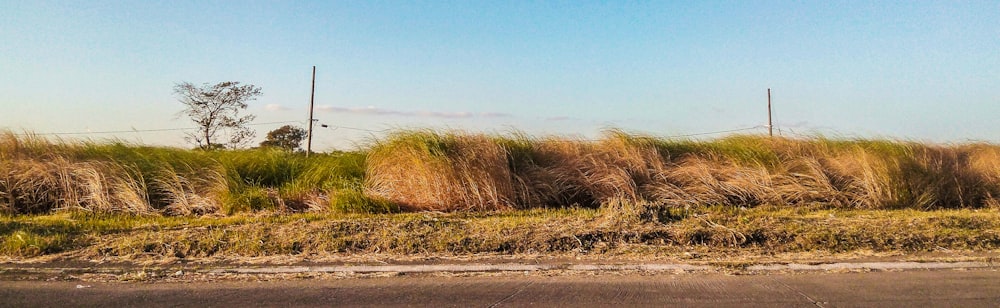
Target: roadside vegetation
39 176
707 233
423 170
457 193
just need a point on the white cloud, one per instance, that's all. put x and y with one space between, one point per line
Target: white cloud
275 107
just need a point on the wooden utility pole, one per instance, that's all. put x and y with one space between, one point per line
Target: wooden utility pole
770 127
312 96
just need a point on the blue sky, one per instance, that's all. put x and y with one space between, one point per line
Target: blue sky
918 70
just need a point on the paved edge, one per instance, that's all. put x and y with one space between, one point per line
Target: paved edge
871 265
677 267
518 267
463 268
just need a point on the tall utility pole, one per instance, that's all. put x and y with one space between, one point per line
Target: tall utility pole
770 127
312 95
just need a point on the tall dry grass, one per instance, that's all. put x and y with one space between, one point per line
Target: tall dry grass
455 171
427 170
28 186
39 175
424 170
36 178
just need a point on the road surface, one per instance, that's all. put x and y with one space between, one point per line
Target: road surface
920 288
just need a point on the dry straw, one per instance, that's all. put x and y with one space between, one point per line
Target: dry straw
442 172
426 170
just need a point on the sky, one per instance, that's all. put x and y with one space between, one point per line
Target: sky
914 70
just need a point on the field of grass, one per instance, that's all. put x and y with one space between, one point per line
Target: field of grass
427 192
419 170
40 176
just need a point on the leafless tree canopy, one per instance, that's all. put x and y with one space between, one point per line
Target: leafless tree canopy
216 110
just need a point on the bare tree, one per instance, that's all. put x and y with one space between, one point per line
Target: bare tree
216 108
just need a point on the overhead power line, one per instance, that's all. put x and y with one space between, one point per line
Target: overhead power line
718 132
332 127
335 127
141 130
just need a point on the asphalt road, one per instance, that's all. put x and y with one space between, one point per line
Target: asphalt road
946 288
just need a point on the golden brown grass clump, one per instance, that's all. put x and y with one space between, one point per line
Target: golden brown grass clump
34 182
440 172
425 170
